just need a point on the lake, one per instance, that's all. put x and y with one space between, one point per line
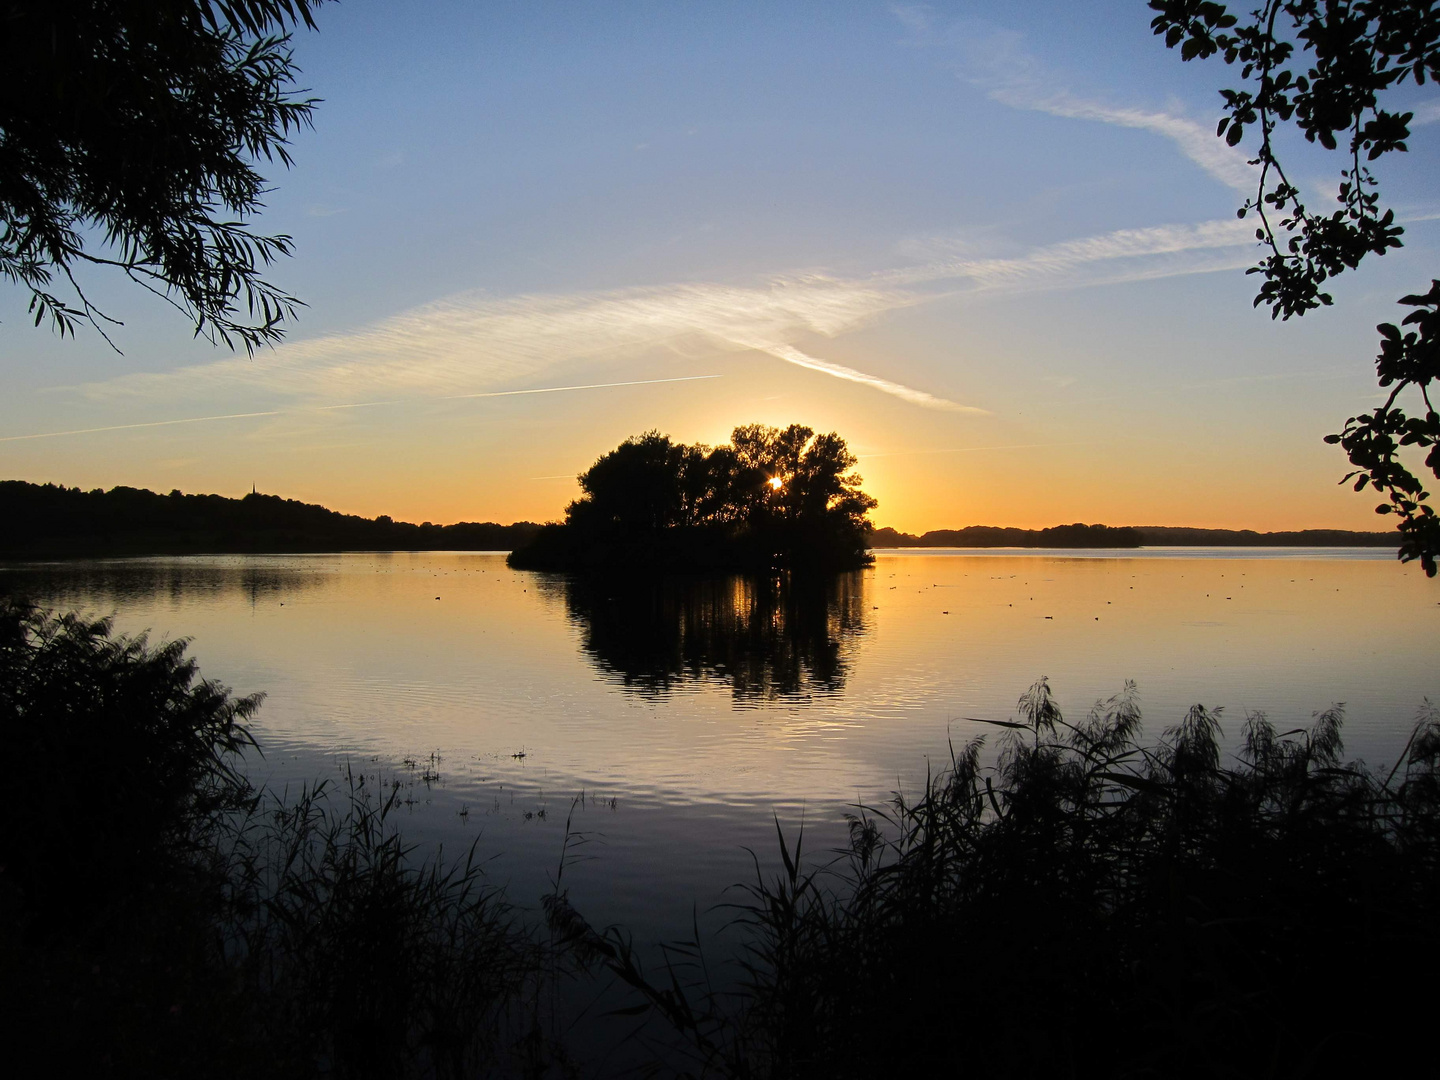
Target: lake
671 723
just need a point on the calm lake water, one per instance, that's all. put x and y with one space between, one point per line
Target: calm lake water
670 723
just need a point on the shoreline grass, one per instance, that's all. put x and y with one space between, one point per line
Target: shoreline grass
1091 904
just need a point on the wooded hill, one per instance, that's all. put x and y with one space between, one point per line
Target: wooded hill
50 521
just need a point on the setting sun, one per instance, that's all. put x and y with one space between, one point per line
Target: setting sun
775 483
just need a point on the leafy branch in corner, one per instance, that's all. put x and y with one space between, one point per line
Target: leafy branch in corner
129 136
1374 440
1326 67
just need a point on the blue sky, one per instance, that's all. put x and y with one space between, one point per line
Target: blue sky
993 245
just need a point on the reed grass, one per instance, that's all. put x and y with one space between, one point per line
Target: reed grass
1088 905
162 918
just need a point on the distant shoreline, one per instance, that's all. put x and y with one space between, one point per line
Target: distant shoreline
1149 536
47 521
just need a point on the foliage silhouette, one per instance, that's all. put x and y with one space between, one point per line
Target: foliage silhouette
767 638
162 918
1350 57
772 498
129 134
1086 905
110 715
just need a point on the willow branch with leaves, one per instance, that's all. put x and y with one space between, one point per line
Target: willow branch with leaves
129 139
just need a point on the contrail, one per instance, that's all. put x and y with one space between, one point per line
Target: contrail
792 355
327 408
968 449
585 386
127 427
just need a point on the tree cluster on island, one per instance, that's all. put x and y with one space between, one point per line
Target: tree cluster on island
773 498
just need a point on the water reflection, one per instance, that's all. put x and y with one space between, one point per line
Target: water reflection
94 585
768 639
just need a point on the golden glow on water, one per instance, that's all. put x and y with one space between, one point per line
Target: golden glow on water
700 711
398 653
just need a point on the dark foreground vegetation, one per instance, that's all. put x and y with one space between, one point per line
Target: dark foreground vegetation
49 521
1086 905
773 498
159 917
1090 906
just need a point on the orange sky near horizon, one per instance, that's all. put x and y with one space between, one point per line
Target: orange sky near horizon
1028 464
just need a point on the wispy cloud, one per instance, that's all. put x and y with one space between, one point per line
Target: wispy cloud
996 61
348 405
473 345
581 386
1425 113
1121 255
1196 141
972 449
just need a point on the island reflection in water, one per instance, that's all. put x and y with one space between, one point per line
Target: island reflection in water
768 639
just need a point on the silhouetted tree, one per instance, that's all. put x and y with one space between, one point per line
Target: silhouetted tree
767 476
129 133
647 482
770 495
1328 68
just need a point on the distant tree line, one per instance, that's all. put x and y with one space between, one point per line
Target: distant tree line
1061 536
1103 536
773 497
717 508
50 521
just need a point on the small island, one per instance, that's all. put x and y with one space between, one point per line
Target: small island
772 499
